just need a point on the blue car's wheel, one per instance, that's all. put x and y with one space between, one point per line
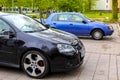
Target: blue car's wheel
97 34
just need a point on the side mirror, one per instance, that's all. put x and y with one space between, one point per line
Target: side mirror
84 22
47 25
11 34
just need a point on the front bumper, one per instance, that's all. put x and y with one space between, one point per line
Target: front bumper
108 33
64 62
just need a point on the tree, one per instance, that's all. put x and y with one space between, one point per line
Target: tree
90 4
5 4
114 10
46 5
70 5
75 5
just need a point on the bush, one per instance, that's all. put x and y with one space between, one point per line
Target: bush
33 15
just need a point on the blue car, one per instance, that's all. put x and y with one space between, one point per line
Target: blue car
79 25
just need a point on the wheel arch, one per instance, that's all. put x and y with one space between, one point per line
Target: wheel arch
36 49
97 29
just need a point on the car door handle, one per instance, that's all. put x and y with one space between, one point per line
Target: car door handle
54 23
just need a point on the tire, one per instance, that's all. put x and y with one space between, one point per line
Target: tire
97 34
34 64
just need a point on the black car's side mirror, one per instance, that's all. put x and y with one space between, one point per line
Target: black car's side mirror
11 34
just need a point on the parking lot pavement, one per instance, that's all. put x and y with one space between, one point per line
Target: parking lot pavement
95 67
102 62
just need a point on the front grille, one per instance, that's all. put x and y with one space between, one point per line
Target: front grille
75 42
77 46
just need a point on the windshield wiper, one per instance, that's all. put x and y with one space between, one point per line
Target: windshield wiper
40 30
35 31
29 31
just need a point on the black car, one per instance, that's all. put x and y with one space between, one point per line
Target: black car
25 43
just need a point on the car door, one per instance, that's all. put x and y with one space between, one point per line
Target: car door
60 21
7 43
77 25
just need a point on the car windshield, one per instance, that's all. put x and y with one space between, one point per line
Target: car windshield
86 18
24 23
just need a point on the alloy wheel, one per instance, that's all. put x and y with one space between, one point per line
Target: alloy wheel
34 64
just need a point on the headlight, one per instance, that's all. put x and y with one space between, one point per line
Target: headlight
64 48
110 27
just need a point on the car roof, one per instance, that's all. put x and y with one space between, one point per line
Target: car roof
1 13
66 13
7 14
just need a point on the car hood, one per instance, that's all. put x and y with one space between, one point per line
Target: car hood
97 23
55 36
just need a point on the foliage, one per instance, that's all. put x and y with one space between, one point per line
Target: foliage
44 4
70 5
58 5
5 3
101 16
76 5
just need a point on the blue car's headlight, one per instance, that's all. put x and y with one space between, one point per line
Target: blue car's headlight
110 27
64 48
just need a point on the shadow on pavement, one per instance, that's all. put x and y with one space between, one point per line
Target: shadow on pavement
104 39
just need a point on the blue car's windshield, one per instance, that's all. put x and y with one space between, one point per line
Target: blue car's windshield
85 18
24 23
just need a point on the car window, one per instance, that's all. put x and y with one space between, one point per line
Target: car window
55 18
60 17
24 23
4 28
75 18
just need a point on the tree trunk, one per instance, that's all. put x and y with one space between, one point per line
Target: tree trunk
89 5
19 9
115 10
0 8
